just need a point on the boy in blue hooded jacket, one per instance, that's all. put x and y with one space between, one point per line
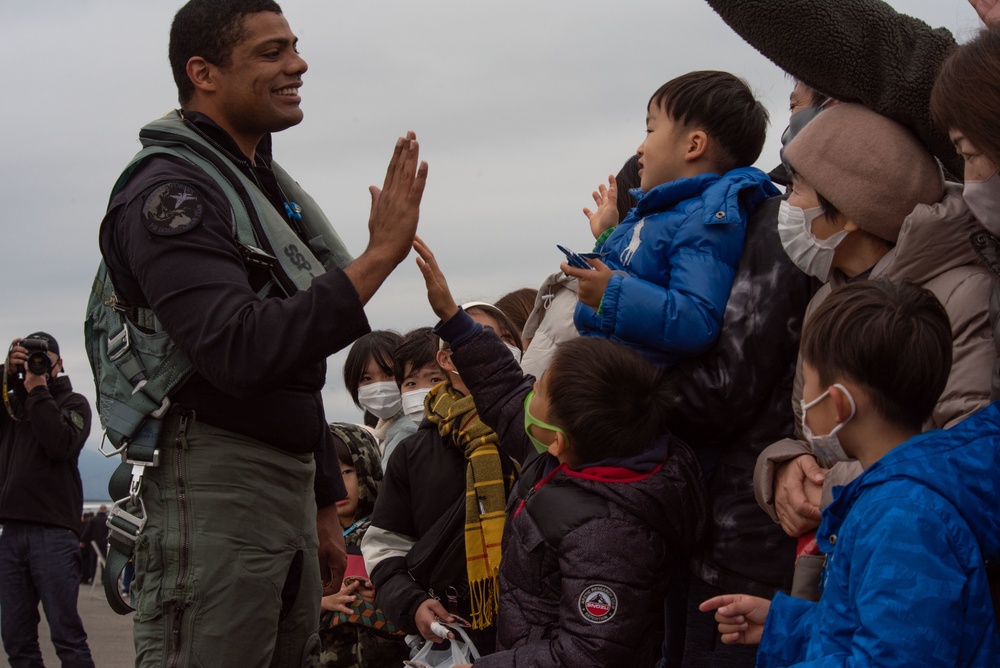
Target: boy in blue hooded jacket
665 272
908 542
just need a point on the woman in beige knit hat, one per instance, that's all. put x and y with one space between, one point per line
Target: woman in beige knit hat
869 201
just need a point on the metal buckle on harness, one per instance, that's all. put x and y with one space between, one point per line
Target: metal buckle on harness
110 453
161 411
139 466
164 405
116 341
118 512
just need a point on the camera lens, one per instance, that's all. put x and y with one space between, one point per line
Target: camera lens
39 363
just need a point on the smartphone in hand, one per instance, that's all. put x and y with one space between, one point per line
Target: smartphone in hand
574 259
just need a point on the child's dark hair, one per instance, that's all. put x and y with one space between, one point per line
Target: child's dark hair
343 451
609 399
417 349
627 178
379 345
724 107
894 339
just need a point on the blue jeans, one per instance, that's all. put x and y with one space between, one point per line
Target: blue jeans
40 563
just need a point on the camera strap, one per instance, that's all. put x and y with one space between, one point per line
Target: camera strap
6 395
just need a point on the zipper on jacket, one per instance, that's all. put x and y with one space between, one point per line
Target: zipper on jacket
176 638
183 509
536 487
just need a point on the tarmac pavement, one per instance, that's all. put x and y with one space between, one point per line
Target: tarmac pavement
108 634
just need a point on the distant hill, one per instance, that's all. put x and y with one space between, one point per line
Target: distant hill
95 471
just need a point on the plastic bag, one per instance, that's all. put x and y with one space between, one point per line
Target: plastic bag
458 651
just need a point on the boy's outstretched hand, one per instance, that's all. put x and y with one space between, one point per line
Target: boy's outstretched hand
592 283
438 294
606 215
740 617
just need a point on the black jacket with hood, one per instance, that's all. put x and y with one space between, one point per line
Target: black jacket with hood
39 478
588 550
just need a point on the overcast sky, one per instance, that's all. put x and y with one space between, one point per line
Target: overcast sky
521 108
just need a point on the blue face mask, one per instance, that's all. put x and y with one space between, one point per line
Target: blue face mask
530 420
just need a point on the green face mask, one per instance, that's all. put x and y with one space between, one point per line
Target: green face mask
530 420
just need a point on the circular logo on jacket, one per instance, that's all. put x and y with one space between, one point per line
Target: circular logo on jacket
172 208
598 604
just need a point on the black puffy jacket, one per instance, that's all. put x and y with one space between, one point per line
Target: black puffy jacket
586 552
586 558
736 400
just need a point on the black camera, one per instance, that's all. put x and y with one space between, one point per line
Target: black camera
38 356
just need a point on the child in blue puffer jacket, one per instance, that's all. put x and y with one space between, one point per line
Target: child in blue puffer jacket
911 543
664 274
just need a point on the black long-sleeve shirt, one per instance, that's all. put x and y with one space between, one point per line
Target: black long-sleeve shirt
259 364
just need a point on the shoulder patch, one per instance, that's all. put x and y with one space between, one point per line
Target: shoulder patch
76 419
598 603
172 208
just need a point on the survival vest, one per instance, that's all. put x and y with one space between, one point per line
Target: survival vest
135 364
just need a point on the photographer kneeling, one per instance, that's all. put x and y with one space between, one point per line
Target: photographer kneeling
43 427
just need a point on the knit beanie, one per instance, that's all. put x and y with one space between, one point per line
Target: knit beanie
872 169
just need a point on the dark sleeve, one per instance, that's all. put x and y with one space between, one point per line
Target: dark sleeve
329 482
197 284
56 427
396 592
589 565
494 378
855 51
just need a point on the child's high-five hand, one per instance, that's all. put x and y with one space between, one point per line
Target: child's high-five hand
606 215
741 618
438 294
592 283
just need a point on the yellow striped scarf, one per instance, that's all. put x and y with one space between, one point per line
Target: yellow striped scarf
485 498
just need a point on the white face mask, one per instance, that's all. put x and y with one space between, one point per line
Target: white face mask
515 351
413 404
380 399
811 255
983 198
827 447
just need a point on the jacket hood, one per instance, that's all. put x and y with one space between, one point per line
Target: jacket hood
961 464
746 187
662 485
934 239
